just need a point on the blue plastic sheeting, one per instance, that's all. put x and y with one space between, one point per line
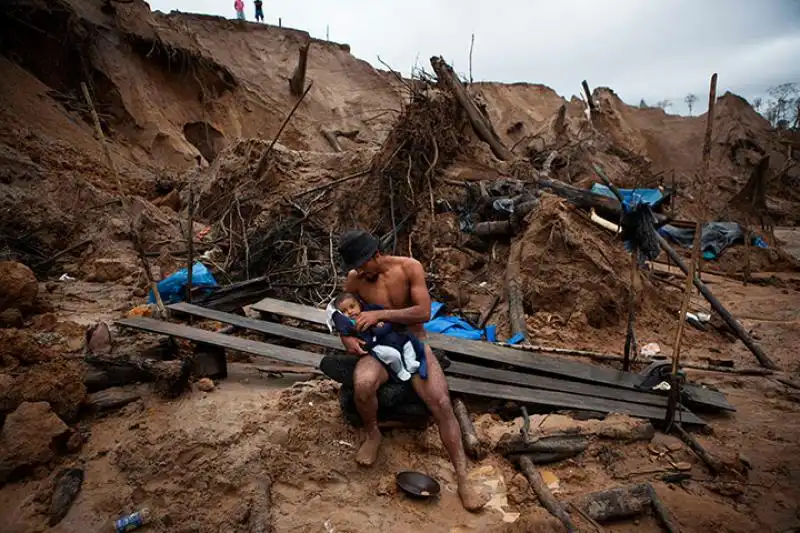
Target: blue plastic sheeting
516 338
631 197
172 287
457 327
714 239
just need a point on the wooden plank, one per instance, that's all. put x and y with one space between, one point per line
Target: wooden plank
463 369
279 353
489 390
571 370
553 398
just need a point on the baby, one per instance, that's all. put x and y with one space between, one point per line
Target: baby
399 351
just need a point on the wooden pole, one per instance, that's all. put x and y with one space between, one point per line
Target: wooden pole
298 79
712 99
719 308
674 392
100 136
630 342
190 241
588 92
544 494
516 308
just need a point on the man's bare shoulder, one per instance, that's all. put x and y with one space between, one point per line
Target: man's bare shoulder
410 267
353 282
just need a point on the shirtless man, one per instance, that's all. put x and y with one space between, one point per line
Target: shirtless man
398 284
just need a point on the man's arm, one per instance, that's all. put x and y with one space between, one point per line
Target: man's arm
420 310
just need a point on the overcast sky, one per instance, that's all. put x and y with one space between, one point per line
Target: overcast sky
651 49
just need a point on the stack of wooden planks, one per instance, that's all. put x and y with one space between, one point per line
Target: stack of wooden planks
478 368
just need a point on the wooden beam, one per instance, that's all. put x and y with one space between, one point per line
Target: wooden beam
719 308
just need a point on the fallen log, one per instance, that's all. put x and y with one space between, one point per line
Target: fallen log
483 128
171 377
719 308
516 309
617 503
260 499
472 445
714 465
544 494
562 446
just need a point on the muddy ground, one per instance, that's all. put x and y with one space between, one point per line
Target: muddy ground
194 461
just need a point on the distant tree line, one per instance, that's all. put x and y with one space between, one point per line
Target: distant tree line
782 109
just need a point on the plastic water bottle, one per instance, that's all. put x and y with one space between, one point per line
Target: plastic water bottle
132 521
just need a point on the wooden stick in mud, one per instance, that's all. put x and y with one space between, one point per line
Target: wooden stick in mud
662 514
137 243
483 128
100 135
544 494
298 79
719 308
713 464
630 341
589 99
516 309
472 445
190 242
488 312
262 163
674 392
712 99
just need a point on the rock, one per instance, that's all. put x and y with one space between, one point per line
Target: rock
745 461
112 398
279 436
98 339
18 286
67 486
625 428
205 385
29 437
108 269
11 318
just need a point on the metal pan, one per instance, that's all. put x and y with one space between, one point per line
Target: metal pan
417 484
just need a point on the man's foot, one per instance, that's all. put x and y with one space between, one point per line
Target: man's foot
472 498
368 452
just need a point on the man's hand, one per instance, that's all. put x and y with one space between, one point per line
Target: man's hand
367 319
354 345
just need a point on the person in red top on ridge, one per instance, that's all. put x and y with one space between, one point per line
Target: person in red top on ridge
238 5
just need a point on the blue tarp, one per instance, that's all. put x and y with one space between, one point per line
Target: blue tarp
632 197
457 327
172 287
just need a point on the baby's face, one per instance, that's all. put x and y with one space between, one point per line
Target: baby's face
350 308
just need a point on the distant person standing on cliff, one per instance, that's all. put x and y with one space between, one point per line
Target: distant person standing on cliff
238 5
259 10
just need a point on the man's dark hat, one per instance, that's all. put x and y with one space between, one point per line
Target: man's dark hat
356 248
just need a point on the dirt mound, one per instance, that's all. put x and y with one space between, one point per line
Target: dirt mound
576 275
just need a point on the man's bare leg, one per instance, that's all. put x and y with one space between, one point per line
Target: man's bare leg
369 375
436 396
